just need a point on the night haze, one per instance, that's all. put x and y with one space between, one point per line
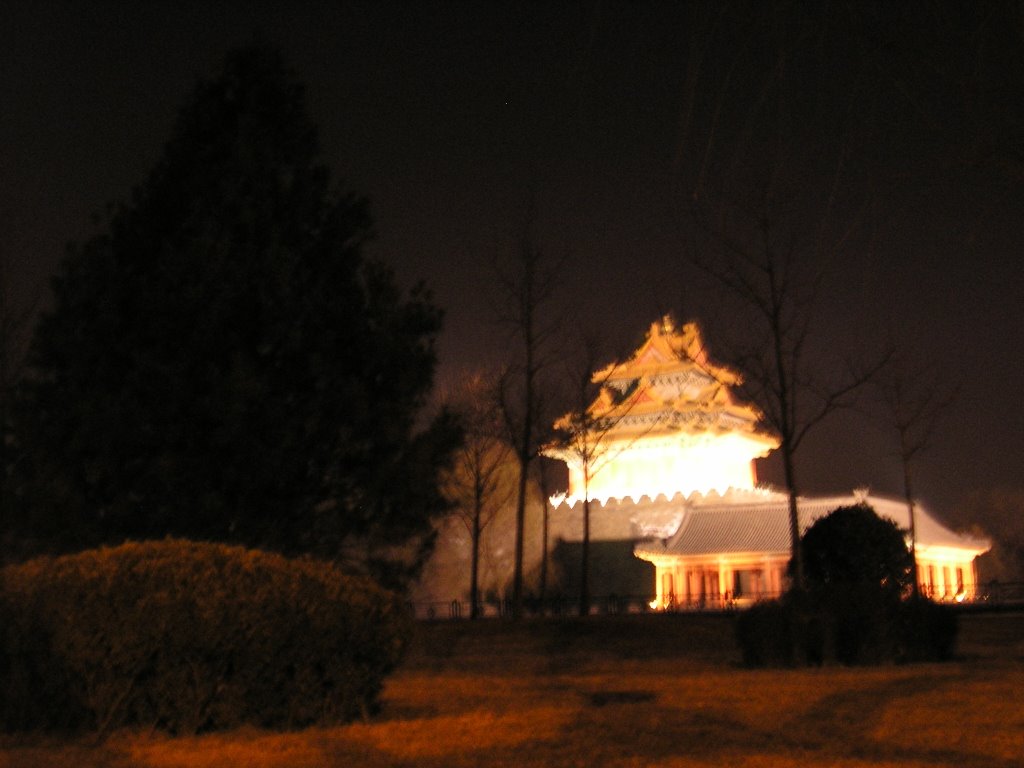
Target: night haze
898 131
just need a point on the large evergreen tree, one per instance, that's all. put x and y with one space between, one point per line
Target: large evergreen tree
223 362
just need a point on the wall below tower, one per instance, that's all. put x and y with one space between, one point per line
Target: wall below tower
613 570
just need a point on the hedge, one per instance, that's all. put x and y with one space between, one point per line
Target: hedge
189 637
845 625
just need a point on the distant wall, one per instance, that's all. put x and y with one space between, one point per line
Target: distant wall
614 570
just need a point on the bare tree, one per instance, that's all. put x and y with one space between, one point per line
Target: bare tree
544 484
913 399
528 288
775 279
773 210
590 437
475 484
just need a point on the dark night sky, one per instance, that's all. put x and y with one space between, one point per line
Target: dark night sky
451 117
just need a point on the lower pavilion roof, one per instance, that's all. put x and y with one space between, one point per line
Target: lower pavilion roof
757 523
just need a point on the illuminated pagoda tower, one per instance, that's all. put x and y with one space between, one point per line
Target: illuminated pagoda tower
674 425
669 461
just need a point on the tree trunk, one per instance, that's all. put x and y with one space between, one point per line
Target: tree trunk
517 572
585 551
474 584
794 517
585 561
525 454
542 477
909 495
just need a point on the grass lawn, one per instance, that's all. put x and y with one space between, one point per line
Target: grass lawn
630 691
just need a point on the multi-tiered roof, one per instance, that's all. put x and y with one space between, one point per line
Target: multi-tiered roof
669 423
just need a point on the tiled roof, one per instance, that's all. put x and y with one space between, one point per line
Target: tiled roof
707 530
715 526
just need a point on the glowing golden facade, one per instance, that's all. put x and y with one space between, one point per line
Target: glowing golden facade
675 424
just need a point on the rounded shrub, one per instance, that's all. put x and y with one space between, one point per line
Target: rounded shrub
188 637
854 610
852 547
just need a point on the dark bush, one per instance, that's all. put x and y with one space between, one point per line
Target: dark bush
765 634
858 622
926 631
187 636
845 626
857 571
854 546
